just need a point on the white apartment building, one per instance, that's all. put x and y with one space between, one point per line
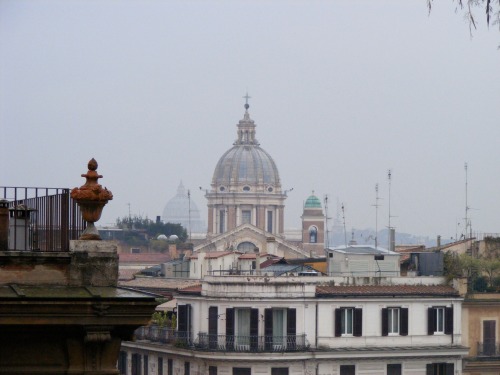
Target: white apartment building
246 325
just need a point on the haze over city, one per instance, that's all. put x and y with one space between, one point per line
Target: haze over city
341 92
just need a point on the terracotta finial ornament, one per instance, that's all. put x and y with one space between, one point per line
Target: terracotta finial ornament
91 197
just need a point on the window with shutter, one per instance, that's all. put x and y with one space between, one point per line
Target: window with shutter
440 369
291 328
184 323
431 320
358 322
254 329
170 367
385 322
348 322
394 321
440 320
145 365
448 321
136 364
403 331
213 319
229 329
160 366
268 328
338 325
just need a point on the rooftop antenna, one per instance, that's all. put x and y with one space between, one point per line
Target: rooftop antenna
189 213
389 177
343 219
129 216
466 204
327 242
376 213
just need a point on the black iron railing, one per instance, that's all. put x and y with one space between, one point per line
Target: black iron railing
488 348
163 335
290 343
41 219
223 343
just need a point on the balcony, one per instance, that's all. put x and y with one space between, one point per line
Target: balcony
229 343
224 343
160 334
38 219
488 348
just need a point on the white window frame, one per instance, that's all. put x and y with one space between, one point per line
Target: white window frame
241 341
394 321
277 345
440 317
345 325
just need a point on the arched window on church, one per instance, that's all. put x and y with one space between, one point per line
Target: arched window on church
313 234
246 247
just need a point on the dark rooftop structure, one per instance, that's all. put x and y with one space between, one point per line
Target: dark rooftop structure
61 311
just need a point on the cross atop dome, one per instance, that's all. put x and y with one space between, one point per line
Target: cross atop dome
246 97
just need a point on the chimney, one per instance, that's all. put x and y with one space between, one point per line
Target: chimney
20 237
4 225
392 239
172 250
439 242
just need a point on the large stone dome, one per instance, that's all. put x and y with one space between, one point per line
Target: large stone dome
246 187
246 166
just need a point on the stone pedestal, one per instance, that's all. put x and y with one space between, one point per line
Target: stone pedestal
94 263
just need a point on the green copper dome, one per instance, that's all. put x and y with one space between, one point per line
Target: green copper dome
312 202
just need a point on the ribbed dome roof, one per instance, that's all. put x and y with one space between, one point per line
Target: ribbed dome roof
312 202
246 163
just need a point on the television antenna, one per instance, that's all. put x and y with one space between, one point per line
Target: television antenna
327 241
343 219
376 205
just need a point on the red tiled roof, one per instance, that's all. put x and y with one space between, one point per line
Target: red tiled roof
193 289
154 258
385 290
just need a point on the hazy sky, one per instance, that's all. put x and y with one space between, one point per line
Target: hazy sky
341 92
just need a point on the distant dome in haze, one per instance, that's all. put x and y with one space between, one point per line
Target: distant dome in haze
177 209
162 237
